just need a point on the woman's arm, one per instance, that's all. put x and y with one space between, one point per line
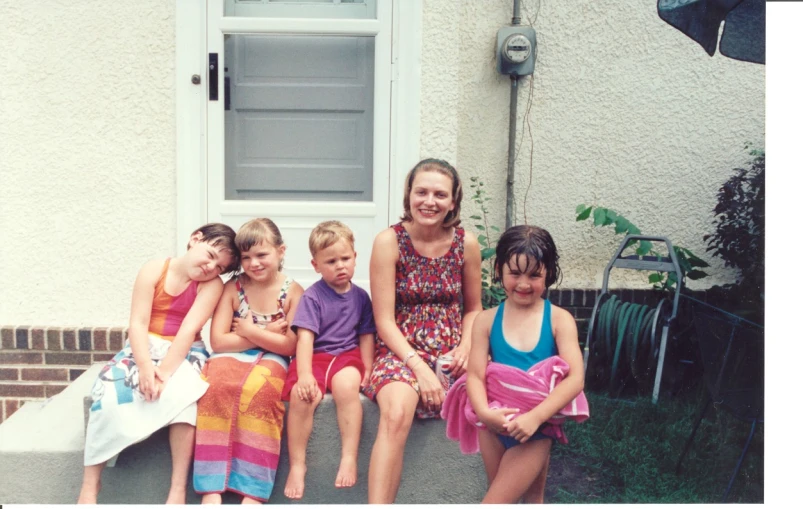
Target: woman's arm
472 301
221 338
208 296
564 328
141 306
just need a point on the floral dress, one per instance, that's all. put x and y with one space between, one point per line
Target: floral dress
428 311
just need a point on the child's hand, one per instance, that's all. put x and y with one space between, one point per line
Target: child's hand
365 378
496 419
244 325
279 326
147 381
522 427
307 387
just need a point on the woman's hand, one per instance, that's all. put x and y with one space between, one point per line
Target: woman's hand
429 387
495 419
460 362
523 427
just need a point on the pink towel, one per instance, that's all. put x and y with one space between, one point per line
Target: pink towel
510 387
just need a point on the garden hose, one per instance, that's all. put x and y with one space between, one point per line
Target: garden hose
624 340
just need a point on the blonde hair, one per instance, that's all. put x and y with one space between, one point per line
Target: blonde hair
327 234
437 165
257 231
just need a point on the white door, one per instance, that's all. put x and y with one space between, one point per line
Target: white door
298 119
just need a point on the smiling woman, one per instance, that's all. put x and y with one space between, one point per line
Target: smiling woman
422 268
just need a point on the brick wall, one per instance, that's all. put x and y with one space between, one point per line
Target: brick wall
37 363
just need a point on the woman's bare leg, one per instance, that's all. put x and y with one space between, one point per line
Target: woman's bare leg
397 402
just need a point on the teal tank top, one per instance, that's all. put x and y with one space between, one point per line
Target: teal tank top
503 353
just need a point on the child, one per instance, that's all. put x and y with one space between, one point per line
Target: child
515 444
154 380
335 328
240 417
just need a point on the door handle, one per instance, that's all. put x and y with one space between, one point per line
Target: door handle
213 77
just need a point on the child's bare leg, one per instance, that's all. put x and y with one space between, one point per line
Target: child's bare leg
212 498
90 487
535 493
397 402
299 428
491 450
519 468
182 446
346 392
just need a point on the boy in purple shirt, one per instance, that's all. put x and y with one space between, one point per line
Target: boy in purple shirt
335 327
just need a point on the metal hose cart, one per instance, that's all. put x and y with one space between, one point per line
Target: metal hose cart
624 335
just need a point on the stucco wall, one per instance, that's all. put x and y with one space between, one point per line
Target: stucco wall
87 155
627 113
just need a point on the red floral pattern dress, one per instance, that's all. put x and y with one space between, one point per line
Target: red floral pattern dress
428 311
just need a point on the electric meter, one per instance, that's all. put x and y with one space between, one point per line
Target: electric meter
515 50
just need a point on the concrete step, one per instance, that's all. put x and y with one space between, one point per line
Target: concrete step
41 460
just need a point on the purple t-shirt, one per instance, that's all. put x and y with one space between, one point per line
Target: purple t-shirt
336 319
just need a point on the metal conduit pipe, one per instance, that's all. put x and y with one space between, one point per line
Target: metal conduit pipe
511 142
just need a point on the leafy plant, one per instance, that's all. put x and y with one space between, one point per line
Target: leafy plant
492 293
740 225
689 263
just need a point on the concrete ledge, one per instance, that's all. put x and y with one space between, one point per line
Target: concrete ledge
41 451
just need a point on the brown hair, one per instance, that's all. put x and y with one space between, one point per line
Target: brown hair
257 231
222 235
328 233
439 165
533 242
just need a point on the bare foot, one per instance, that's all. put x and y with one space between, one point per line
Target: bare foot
177 496
347 473
249 500
294 487
89 493
212 498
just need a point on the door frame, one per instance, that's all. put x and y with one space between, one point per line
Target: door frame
191 121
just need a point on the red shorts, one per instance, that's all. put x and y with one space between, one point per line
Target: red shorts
324 367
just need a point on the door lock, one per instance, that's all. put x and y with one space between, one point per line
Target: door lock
196 79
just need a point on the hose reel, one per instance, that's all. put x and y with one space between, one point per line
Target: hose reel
624 336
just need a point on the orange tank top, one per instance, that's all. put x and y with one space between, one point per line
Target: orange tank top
168 311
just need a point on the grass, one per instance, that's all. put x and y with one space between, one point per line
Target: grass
627 450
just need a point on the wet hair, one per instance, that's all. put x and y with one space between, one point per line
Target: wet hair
257 231
327 234
533 242
222 236
439 165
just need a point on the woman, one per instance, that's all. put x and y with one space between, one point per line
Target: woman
426 291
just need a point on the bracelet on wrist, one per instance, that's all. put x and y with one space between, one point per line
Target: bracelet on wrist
407 357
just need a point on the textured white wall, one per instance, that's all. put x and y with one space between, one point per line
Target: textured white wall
87 156
627 113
